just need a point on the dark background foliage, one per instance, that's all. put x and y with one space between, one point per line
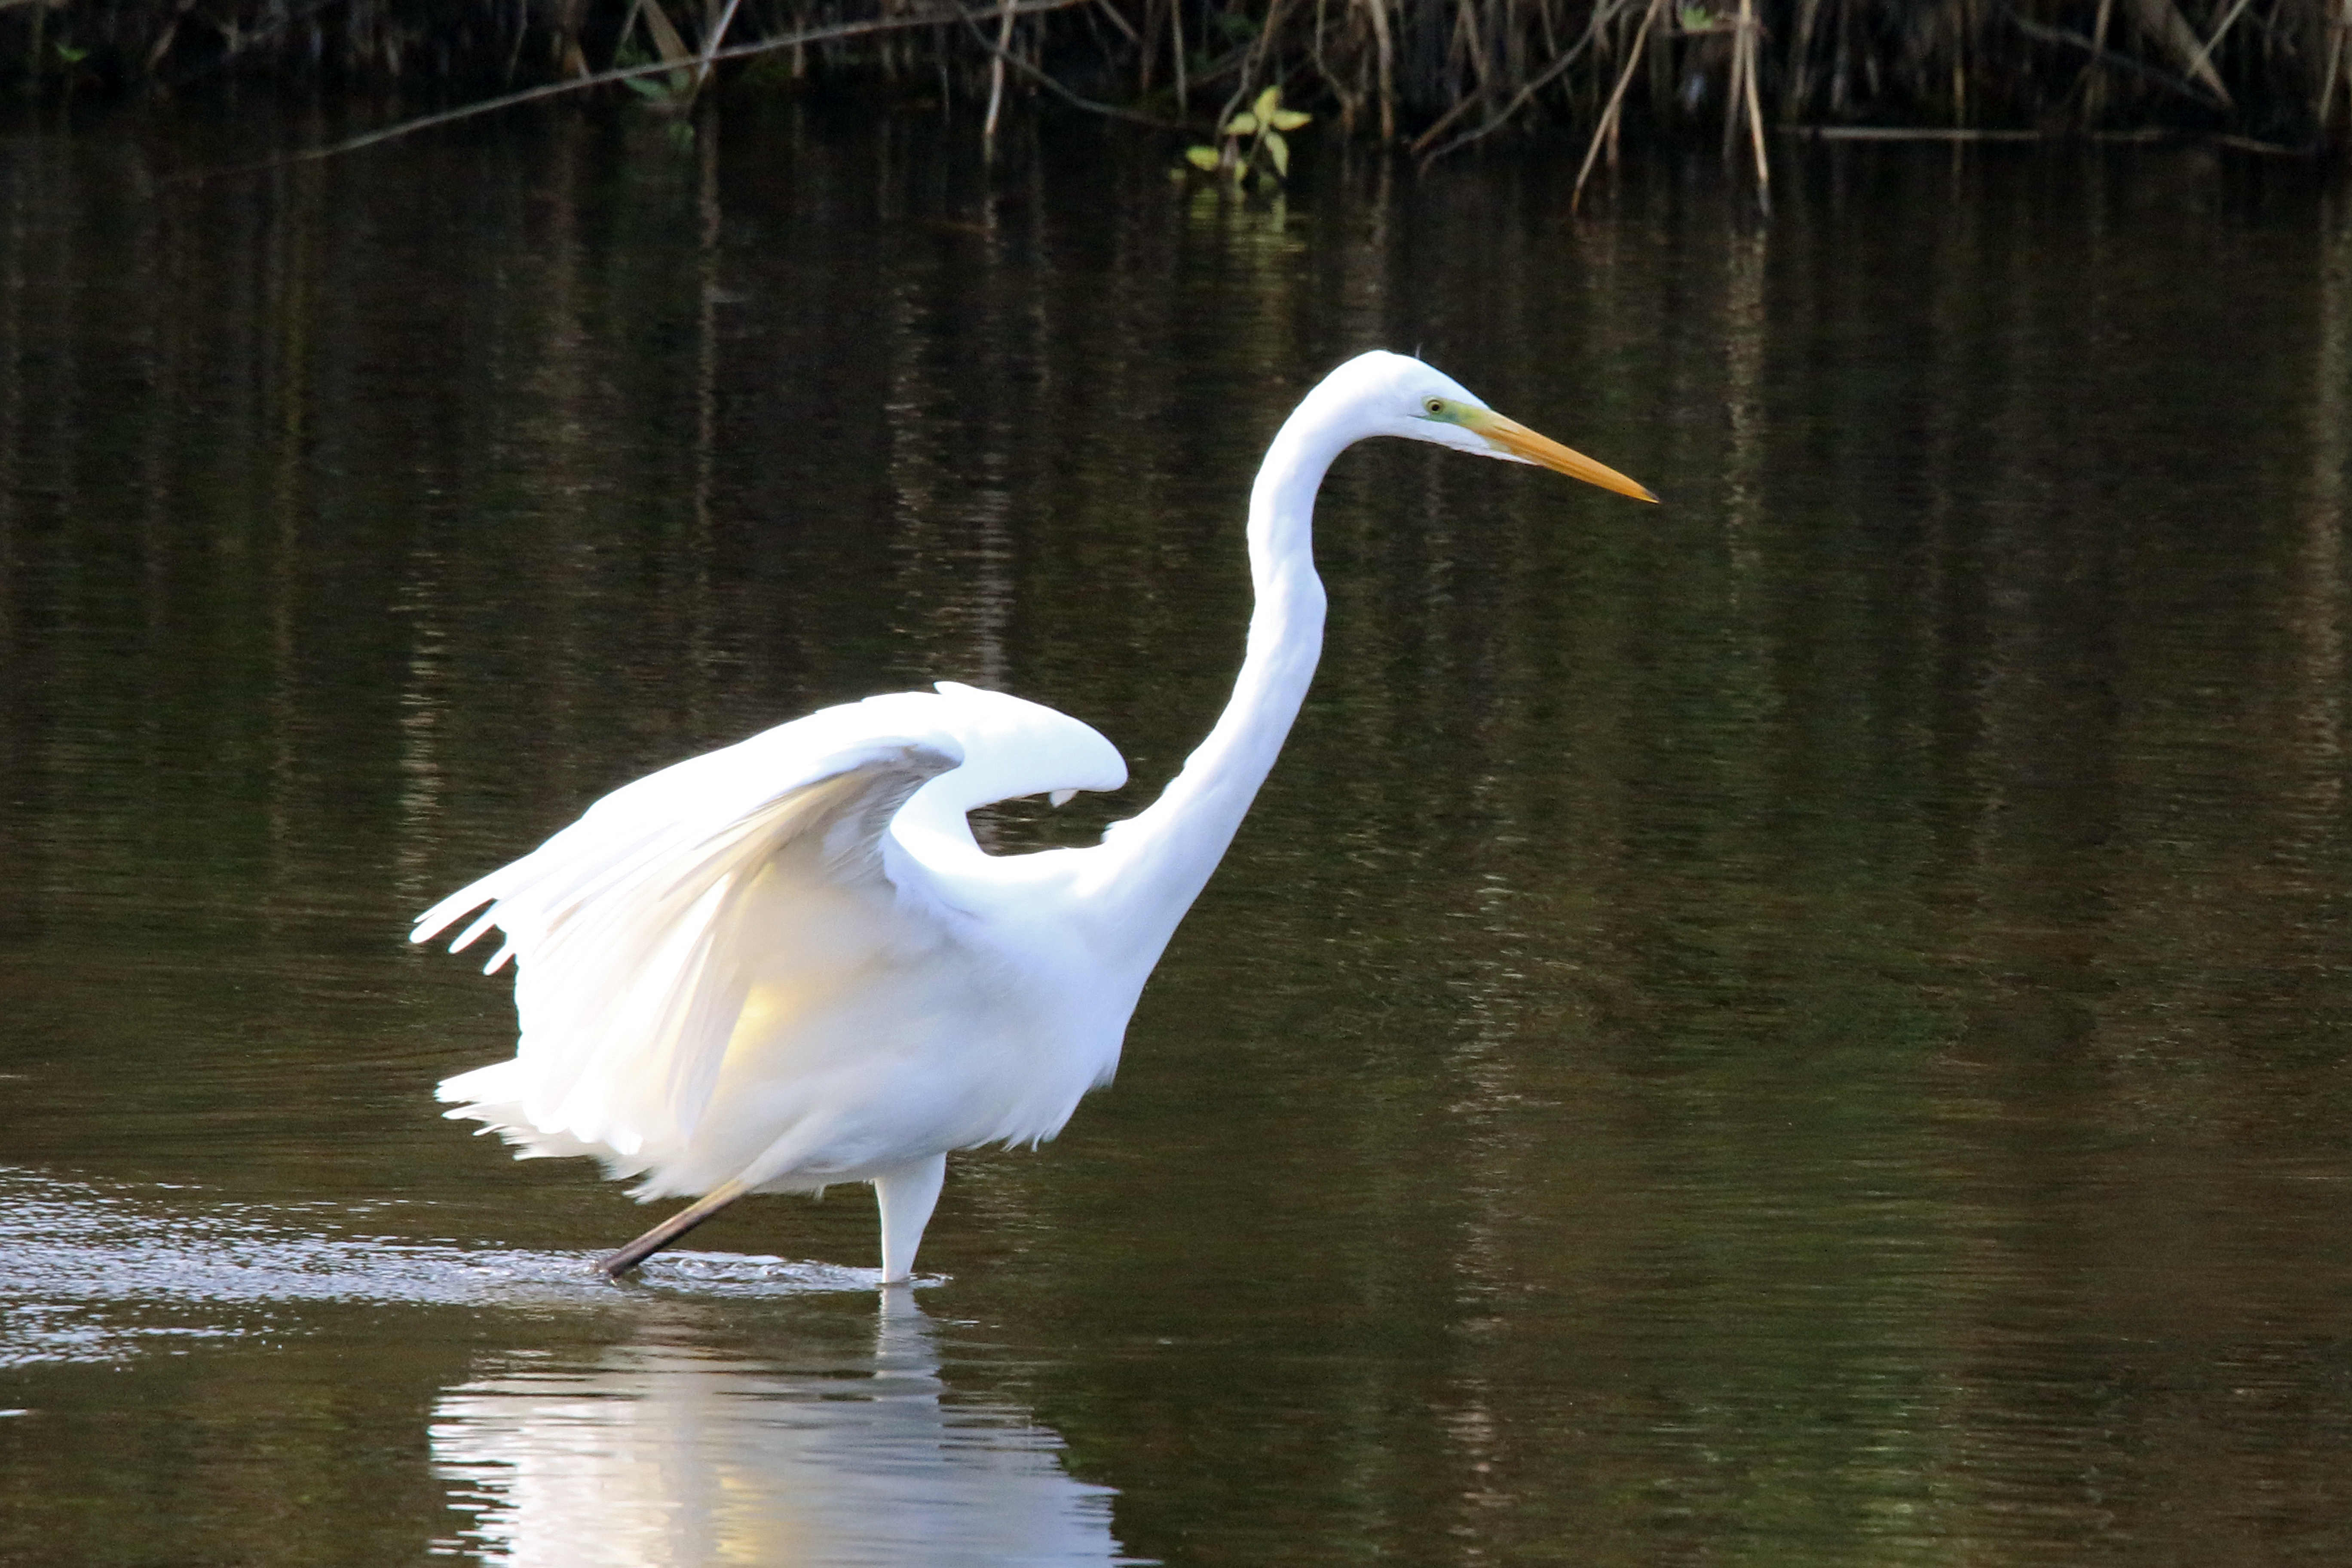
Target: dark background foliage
1431 72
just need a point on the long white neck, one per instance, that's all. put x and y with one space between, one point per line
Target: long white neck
1160 859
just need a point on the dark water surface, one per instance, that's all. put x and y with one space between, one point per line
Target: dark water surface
1810 1024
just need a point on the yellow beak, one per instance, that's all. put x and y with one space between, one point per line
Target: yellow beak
1521 442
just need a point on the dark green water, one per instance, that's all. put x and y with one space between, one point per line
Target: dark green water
1810 1024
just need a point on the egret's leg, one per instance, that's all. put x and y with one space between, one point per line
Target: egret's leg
906 1197
669 1230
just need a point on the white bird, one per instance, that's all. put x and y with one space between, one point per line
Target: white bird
787 963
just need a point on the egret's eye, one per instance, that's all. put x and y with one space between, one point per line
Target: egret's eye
1433 405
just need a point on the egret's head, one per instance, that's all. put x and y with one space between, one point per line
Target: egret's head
1407 398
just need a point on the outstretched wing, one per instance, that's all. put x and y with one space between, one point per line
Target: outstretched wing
638 930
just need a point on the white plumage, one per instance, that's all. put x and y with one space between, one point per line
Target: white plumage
788 963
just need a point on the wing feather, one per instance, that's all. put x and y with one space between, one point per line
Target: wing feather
627 927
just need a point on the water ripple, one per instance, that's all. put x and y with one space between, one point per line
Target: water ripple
92 1273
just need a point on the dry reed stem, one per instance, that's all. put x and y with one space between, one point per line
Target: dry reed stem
2201 66
1603 15
1746 48
800 39
1606 128
2162 21
1386 49
717 36
1176 48
667 42
996 70
2095 83
1800 80
2339 29
1442 73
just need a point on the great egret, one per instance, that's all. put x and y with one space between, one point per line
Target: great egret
788 963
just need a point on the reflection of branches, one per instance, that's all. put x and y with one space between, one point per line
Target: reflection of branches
659 68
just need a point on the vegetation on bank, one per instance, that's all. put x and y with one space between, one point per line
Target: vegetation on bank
1433 74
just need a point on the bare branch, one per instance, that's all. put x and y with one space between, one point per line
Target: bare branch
576 84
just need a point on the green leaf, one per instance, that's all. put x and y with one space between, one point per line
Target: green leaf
70 55
1289 118
1268 102
1202 158
1280 149
1241 124
645 88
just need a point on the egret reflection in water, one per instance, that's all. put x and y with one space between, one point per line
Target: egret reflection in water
673 1453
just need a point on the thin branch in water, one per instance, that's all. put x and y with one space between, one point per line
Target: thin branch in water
1601 132
2201 65
1109 111
1602 16
717 36
1110 9
668 44
1800 61
2162 20
2093 84
1751 34
2339 27
2165 79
